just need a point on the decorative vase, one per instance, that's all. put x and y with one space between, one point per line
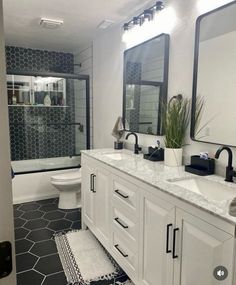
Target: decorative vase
173 156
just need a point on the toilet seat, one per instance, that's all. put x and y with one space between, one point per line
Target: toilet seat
67 177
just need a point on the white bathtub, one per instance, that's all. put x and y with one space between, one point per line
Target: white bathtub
28 187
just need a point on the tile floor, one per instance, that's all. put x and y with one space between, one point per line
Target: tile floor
37 260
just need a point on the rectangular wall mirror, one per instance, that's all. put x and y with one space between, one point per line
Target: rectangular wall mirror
214 81
145 85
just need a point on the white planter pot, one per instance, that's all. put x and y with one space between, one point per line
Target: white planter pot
173 156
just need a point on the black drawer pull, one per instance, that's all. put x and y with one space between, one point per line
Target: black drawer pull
120 223
168 237
122 195
174 255
91 182
92 187
117 247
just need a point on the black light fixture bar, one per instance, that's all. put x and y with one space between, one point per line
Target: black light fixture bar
147 14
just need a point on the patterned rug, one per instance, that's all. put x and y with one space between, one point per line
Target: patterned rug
84 259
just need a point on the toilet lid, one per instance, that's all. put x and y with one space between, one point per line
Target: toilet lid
68 176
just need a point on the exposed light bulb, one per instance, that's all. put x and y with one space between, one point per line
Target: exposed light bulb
163 22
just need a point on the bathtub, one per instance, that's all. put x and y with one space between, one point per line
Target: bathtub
32 179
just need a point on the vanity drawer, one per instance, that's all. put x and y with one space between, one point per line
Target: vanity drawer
125 224
125 193
125 254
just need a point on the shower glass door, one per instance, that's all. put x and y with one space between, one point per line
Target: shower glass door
49 120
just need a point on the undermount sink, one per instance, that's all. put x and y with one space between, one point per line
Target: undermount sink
117 156
210 189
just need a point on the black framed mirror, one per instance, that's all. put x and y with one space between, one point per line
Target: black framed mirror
145 85
214 78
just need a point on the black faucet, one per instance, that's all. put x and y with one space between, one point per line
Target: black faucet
230 173
136 146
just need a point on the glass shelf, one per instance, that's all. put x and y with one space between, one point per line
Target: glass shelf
31 91
38 106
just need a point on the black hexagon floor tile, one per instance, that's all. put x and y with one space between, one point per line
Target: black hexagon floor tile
25 261
49 207
59 225
40 235
55 279
16 206
29 207
36 224
55 215
76 225
23 245
29 277
38 245
120 280
49 264
47 201
44 248
18 222
31 215
18 213
103 282
74 216
20 233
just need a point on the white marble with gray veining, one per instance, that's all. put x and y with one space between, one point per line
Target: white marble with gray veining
157 175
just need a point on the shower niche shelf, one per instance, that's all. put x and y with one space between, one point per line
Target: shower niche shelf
30 91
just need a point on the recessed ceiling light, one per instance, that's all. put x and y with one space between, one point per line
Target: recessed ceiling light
105 24
50 23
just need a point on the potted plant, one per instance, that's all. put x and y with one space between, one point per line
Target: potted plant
176 118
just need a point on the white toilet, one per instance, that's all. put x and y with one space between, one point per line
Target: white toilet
69 186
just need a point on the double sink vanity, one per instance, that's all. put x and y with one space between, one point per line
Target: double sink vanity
161 224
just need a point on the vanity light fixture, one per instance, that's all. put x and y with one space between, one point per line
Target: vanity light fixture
147 15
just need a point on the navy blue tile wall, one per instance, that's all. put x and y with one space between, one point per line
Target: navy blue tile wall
41 132
26 59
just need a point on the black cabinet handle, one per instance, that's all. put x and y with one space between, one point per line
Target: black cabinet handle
120 251
91 182
122 195
174 255
92 176
120 223
167 237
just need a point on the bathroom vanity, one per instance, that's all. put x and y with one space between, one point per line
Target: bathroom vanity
162 225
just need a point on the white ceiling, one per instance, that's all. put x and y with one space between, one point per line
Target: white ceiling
81 18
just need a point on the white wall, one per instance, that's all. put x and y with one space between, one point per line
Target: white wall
108 72
85 59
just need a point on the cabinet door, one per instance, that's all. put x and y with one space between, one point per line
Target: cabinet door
156 263
102 203
201 247
88 192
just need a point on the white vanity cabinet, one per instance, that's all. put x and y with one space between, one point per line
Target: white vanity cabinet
96 199
200 248
157 224
156 238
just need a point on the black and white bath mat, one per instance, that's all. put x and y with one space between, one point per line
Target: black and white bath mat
84 259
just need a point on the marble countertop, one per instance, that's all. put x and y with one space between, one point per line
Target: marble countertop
158 175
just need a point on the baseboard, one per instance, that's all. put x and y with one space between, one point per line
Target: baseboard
34 198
